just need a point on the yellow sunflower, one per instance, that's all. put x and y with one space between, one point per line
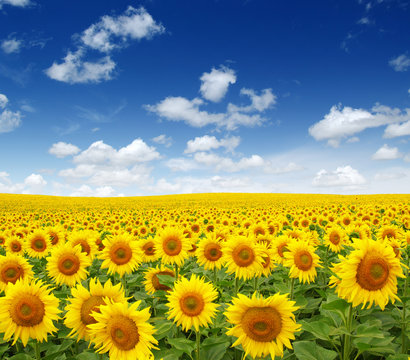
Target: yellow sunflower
262 326
388 232
27 311
268 264
148 250
279 246
15 245
57 235
87 240
38 244
121 254
209 252
123 331
79 309
152 282
12 268
67 264
368 274
335 238
302 261
191 304
171 246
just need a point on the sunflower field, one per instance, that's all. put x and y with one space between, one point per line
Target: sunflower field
207 276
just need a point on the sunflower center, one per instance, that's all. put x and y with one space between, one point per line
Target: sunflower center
38 245
27 311
303 260
212 252
148 248
54 238
172 246
85 248
282 248
68 264
262 323
15 246
155 281
243 255
372 273
192 304
124 332
11 273
334 238
91 304
121 253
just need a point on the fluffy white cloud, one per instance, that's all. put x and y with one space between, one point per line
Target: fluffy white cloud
19 3
163 140
215 84
75 70
343 176
103 191
62 149
205 143
395 130
400 63
9 121
3 101
181 164
341 123
259 103
35 180
387 153
11 46
133 24
33 184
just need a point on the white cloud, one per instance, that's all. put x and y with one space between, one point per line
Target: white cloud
387 153
33 184
3 101
343 176
181 164
352 140
19 3
62 149
163 140
133 24
9 121
341 123
103 191
400 63
215 84
75 70
395 130
11 46
388 176
258 102
205 143
35 180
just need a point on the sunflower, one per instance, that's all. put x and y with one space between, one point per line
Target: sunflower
302 261
279 246
79 309
209 252
262 326
123 331
268 260
15 245
66 264
87 240
243 256
335 238
27 311
368 274
38 244
171 246
152 282
121 254
148 250
12 268
191 304
57 235
390 232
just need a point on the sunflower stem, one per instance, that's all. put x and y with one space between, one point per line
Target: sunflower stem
18 347
292 287
198 342
176 272
124 284
236 286
346 345
37 350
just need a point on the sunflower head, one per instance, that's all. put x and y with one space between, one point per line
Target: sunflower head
152 282
38 244
172 246
209 252
12 268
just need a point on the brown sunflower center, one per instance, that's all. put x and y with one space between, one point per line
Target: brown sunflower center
172 245
282 248
38 244
148 248
212 252
68 264
91 304
372 273
124 332
28 310
303 260
389 233
11 273
334 238
121 253
15 246
155 281
192 304
85 247
243 255
262 323
54 238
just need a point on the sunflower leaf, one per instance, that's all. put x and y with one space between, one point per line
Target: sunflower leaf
309 350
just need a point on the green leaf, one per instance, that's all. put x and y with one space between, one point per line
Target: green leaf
320 329
21 356
182 344
167 354
87 356
214 347
162 329
364 330
166 280
339 306
398 357
309 350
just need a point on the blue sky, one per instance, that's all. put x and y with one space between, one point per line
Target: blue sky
163 97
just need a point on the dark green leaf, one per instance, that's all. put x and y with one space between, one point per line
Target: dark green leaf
309 350
182 344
